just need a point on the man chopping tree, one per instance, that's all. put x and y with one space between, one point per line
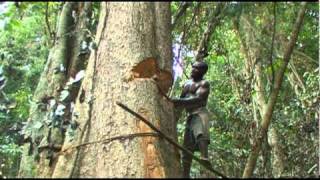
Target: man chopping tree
194 98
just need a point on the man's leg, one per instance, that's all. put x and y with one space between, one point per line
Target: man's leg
186 162
203 147
199 132
188 143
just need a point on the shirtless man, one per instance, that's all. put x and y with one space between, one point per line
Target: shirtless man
194 98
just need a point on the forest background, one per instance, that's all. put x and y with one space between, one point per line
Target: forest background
245 46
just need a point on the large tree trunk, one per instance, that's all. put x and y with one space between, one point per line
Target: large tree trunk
44 125
134 44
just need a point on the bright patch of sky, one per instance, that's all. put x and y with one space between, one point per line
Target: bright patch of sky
179 53
177 62
2 23
4 6
3 9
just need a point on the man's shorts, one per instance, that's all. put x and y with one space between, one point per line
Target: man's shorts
196 125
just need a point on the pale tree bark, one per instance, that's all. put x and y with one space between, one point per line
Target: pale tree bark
277 158
268 109
295 79
134 44
38 157
260 100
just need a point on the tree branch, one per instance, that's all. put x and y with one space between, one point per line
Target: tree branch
203 163
272 43
184 35
297 52
202 50
293 68
51 35
181 12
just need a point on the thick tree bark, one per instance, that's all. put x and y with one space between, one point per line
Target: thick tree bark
63 62
134 44
268 110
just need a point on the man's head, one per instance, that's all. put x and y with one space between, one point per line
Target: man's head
198 70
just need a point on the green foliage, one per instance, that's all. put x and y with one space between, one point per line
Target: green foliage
25 42
23 50
231 93
10 154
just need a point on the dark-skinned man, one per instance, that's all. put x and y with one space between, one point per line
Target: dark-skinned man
194 98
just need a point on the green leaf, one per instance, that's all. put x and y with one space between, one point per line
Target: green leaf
15 23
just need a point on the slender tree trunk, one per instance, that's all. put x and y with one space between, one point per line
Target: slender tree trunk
268 110
266 155
46 136
134 44
277 153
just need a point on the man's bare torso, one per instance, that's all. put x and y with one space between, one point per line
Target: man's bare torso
196 89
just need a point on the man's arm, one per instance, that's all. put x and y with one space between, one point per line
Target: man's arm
199 99
184 91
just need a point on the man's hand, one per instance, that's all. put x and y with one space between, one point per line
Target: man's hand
175 101
155 78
